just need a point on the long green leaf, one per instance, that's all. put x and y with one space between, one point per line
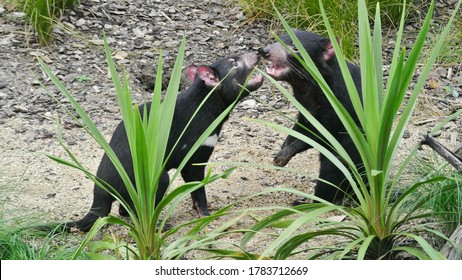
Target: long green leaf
365 246
95 229
426 247
404 120
168 105
177 195
310 217
377 49
324 132
369 80
153 127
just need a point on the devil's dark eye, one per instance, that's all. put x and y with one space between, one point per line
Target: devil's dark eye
294 48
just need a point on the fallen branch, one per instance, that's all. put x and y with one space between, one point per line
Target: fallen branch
452 250
442 151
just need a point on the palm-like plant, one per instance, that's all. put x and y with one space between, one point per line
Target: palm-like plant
147 135
378 226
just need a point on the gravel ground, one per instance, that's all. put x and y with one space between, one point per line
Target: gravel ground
32 184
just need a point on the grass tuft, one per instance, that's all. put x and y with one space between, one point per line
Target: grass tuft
43 14
342 16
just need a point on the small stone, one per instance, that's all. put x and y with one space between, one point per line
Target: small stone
80 22
46 59
152 13
68 26
35 53
6 39
97 42
120 55
117 13
171 44
17 15
249 104
138 32
100 42
20 108
50 195
48 115
233 49
441 72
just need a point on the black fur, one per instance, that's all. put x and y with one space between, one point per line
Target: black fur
204 78
306 90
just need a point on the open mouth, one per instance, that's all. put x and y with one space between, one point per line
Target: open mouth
276 71
255 81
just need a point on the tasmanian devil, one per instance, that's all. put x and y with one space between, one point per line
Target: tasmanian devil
232 72
285 67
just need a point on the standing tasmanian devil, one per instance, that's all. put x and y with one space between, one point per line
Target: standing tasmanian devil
232 72
285 67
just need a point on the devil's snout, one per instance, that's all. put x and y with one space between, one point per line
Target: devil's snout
264 52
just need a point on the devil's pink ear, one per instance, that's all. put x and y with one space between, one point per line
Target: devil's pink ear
204 73
192 70
329 51
207 74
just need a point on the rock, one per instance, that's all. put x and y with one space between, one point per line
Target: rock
6 40
249 104
16 16
138 32
441 72
100 42
97 42
80 22
68 26
171 44
120 55
19 108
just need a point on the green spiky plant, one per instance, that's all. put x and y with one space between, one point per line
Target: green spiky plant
381 225
148 141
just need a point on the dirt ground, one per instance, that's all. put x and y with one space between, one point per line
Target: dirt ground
32 184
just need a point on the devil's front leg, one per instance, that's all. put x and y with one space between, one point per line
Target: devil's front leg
293 145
